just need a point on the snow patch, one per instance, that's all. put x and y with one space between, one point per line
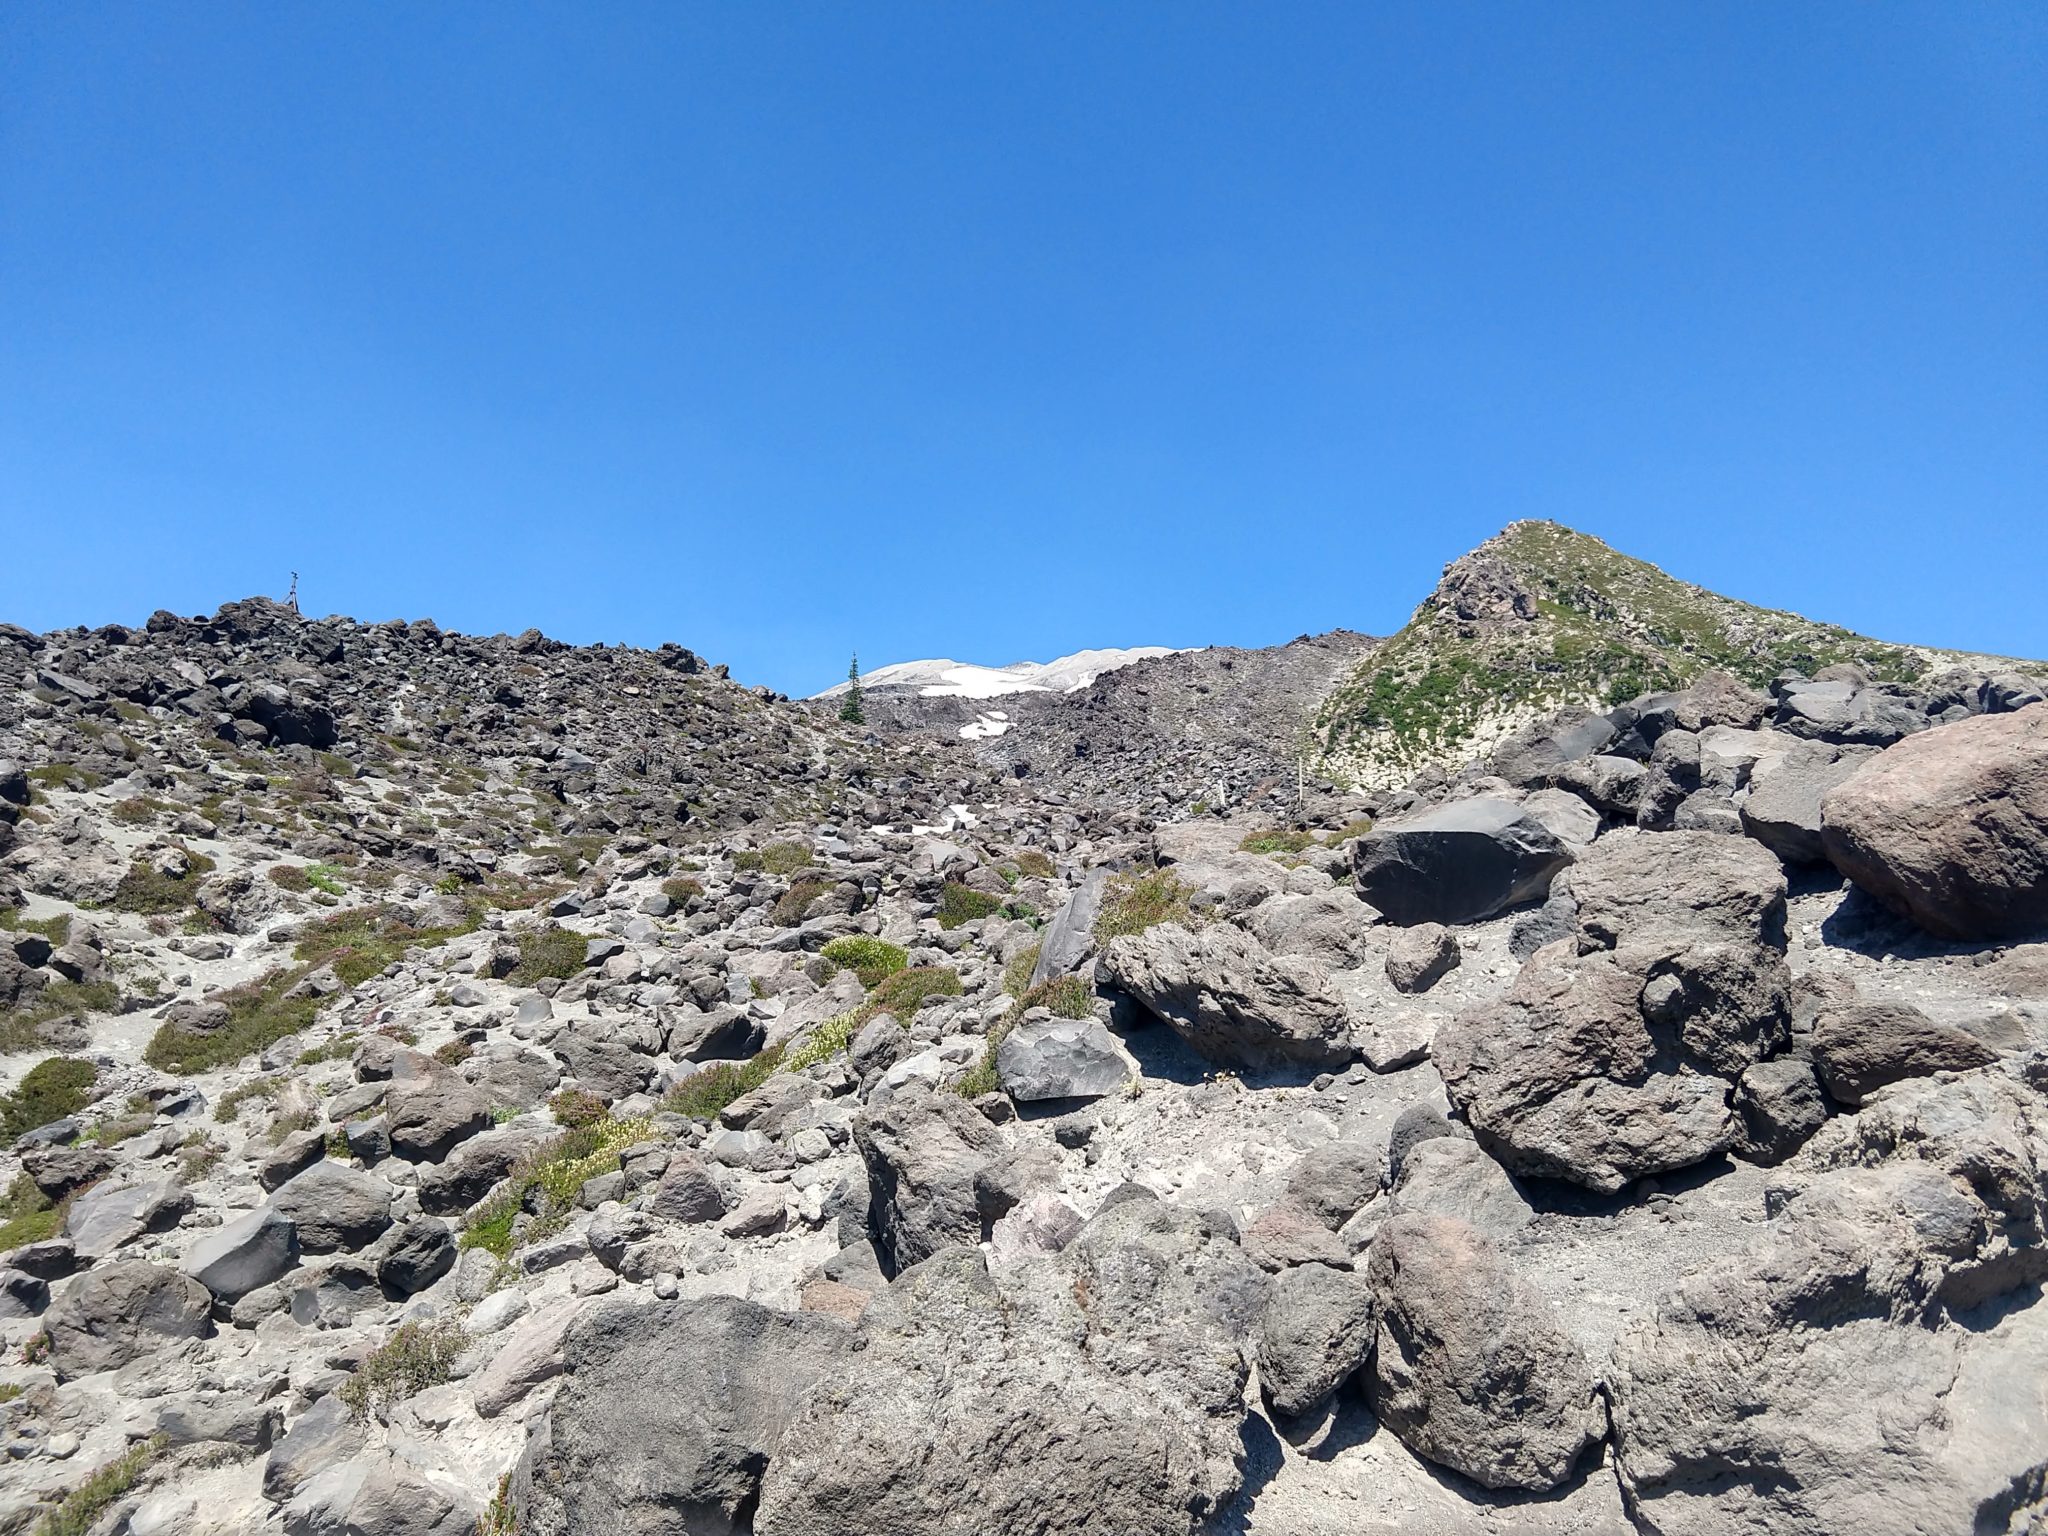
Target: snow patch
986 726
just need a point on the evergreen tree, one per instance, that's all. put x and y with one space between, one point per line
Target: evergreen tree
850 710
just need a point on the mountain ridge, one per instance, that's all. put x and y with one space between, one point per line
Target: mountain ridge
1541 617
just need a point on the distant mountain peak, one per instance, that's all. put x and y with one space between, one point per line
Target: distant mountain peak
940 677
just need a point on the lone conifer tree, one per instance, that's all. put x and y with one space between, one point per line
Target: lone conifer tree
850 710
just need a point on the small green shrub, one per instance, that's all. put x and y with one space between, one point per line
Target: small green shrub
65 776
905 992
981 1078
49 1091
199 1158
547 1181
453 1053
149 892
774 859
827 1040
1065 997
1358 826
1276 842
325 877
573 1107
1017 974
80 1509
340 1048
1134 902
288 877
680 888
56 929
116 1129
869 958
27 1215
363 941
501 1515
22 1029
289 1122
1030 861
791 906
703 1094
229 1104
963 904
259 1015
900 993
417 1356
549 951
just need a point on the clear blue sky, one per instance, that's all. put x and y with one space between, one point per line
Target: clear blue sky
996 331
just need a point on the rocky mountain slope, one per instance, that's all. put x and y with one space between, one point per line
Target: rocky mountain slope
1541 617
457 1085
1168 735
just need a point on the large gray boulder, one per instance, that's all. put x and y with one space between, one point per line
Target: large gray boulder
1070 937
603 1064
668 1413
325 1435
1333 1180
1713 698
1469 1370
1950 827
1101 1391
1450 1176
248 1252
1564 1077
117 1211
1229 999
399 1490
416 1255
1612 1055
1818 1380
1849 710
1316 1331
1611 785
122 1311
430 1115
1778 1105
477 1164
1328 927
1457 863
1047 1059
336 1208
925 1155
1782 809
1533 753
1859 1048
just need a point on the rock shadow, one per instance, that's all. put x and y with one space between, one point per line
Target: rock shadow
1862 923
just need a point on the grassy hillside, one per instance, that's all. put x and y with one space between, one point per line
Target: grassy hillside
1540 617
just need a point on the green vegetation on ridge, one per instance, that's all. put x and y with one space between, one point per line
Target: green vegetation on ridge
1542 617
